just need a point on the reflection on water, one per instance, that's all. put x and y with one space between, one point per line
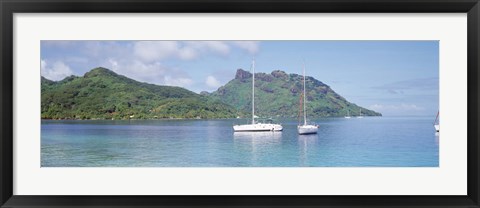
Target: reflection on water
367 142
259 145
306 142
258 136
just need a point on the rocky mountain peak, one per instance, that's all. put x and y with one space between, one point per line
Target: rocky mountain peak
279 74
242 74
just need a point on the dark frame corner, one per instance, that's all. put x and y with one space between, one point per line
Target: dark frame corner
9 7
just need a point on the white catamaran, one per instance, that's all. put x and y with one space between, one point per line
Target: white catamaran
256 126
306 128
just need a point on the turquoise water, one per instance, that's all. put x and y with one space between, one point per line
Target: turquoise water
340 142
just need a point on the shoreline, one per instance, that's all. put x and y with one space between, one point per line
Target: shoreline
162 119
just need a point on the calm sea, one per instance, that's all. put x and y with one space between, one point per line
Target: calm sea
340 142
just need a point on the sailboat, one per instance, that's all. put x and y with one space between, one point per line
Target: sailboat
254 126
306 128
360 116
436 123
348 114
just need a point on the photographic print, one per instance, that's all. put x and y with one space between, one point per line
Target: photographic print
308 103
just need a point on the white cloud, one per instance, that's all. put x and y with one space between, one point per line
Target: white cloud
76 59
212 82
58 43
152 73
179 81
156 50
156 62
56 72
151 51
155 72
187 54
217 47
43 65
113 64
250 46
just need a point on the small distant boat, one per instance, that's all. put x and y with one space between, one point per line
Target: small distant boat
348 114
305 128
360 116
436 123
254 126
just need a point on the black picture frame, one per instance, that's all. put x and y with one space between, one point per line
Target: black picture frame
9 7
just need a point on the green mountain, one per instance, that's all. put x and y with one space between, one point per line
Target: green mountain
278 94
103 94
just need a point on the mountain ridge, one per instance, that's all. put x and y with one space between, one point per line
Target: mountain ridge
278 94
104 94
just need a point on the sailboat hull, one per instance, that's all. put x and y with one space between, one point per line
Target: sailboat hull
307 129
437 127
257 127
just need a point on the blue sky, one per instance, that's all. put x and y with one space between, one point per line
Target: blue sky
395 78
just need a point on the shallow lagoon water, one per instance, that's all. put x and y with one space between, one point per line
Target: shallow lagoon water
340 142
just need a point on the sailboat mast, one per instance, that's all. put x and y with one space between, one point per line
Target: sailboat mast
304 98
435 122
253 91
